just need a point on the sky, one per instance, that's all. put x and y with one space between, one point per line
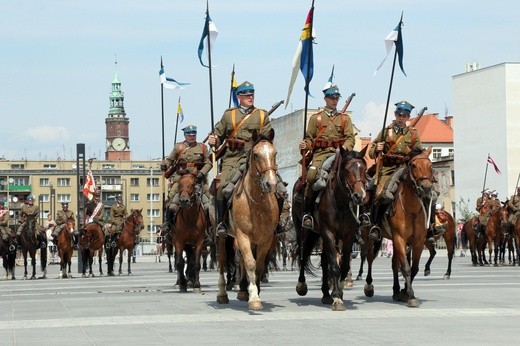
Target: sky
57 63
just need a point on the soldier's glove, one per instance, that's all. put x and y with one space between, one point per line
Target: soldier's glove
163 167
200 176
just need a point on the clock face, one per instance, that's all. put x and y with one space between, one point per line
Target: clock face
118 143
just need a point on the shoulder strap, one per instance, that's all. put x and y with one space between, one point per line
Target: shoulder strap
233 117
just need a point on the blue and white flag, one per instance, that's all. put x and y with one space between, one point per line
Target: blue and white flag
211 30
170 83
394 37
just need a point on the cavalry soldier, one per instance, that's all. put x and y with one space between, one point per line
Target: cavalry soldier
5 231
235 129
514 207
441 219
188 156
327 130
61 219
485 207
400 139
94 210
118 214
29 209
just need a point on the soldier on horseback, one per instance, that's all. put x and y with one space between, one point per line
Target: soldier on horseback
94 210
31 209
188 156
327 130
514 207
485 205
5 231
118 214
234 130
62 217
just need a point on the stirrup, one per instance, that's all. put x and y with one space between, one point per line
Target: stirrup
221 229
12 248
375 233
308 221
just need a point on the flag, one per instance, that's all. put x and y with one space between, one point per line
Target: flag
303 59
90 185
211 30
234 85
329 82
180 114
170 83
394 37
491 161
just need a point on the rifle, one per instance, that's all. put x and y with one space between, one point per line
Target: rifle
347 102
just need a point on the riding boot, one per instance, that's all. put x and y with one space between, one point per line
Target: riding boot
75 236
279 228
376 215
221 210
308 208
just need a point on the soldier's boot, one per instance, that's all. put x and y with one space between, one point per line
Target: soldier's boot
364 223
55 234
14 244
308 208
42 242
75 238
221 210
376 215
279 228
478 230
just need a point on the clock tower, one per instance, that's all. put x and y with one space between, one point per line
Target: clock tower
117 139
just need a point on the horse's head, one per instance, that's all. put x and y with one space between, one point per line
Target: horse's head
352 174
137 219
187 190
420 172
262 162
70 224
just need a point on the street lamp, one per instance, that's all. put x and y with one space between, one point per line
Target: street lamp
52 201
151 205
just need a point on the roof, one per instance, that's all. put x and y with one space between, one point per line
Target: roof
433 130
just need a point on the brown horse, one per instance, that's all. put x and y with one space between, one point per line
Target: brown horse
132 226
496 233
8 254
189 231
337 221
92 238
406 226
516 236
65 249
254 215
449 238
29 245
477 245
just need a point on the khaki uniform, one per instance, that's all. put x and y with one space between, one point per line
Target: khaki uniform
514 207
486 206
235 154
336 129
4 224
397 146
30 210
90 207
61 219
117 216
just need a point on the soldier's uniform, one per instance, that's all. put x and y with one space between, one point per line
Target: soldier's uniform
326 131
118 214
94 210
484 206
4 222
31 210
61 219
514 207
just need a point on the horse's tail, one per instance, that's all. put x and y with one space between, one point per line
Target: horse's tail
309 243
43 259
464 235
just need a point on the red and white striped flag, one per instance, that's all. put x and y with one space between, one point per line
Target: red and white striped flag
490 160
90 185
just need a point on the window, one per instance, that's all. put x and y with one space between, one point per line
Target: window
134 181
134 197
45 198
17 166
63 181
108 166
49 166
154 213
20 181
111 181
437 153
154 181
136 166
63 198
452 183
154 197
450 152
44 181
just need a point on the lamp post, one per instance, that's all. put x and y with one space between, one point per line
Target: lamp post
151 205
52 201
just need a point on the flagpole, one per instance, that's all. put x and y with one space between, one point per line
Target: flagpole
485 177
177 122
163 151
231 86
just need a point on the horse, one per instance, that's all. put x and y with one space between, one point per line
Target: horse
495 233
406 226
449 238
8 254
29 245
92 238
189 229
65 249
516 236
254 216
336 223
477 246
132 226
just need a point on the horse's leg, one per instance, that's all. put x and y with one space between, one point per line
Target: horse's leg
121 253
363 256
416 257
308 239
179 267
25 264
372 250
250 266
222 296
90 261
33 263
198 256
100 261
451 252
431 249
129 257
400 263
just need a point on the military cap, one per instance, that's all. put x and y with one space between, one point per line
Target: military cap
494 193
246 88
332 92
190 130
2 202
64 204
403 107
438 206
118 196
486 191
29 198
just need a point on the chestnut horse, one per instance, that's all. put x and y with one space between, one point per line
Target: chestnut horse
189 228
253 218
336 223
65 249
92 238
406 226
449 238
132 226
8 254
29 245
496 232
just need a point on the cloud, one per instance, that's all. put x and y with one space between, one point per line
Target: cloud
48 134
371 121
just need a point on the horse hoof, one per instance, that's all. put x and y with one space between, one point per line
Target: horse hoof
223 299
301 288
338 305
427 272
327 300
255 305
359 277
446 277
243 296
197 290
413 303
83 276
183 289
265 280
369 290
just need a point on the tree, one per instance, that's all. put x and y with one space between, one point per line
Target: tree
463 208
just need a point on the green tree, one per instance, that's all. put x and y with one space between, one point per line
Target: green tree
464 210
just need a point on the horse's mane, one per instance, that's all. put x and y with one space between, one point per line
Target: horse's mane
415 152
352 154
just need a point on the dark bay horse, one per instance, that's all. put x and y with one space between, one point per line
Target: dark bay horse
406 226
336 217
29 245
496 233
65 248
189 230
449 238
254 215
8 254
92 239
132 226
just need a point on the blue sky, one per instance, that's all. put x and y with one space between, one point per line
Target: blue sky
57 62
